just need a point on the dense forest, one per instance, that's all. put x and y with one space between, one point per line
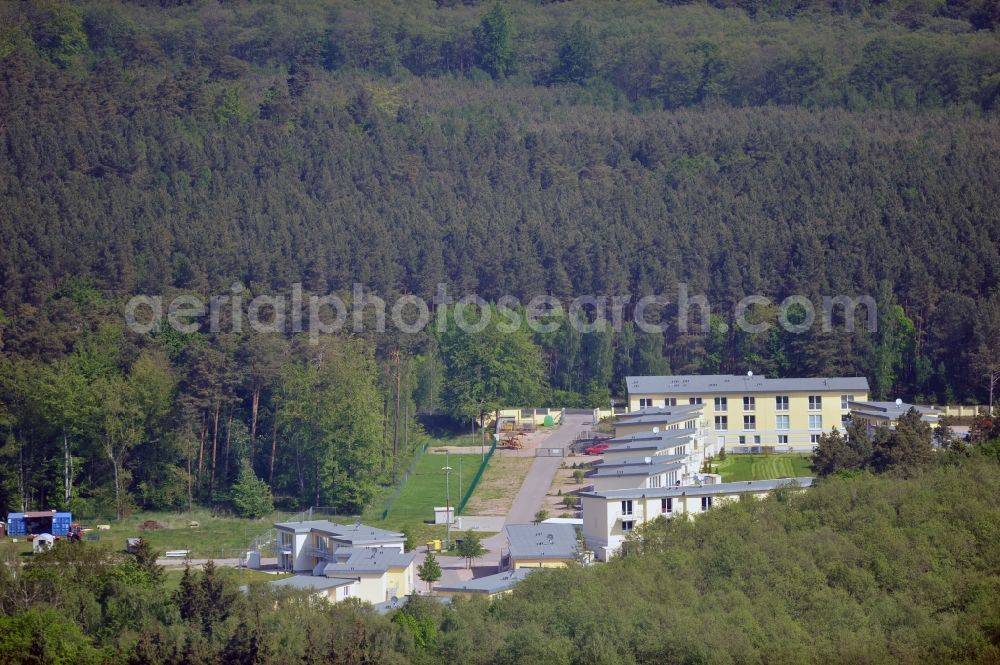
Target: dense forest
860 568
525 148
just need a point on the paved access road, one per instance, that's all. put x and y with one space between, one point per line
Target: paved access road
529 499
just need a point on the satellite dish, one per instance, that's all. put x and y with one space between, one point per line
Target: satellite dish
750 373
649 460
656 430
394 600
899 402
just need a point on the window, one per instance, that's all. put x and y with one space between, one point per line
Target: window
815 402
654 481
721 423
743 440
845 420
756 439
627 525
721 404
627 507
694 400
706 502
782 439
750 422
666 506
781 422
814 439
815 422
749 403
845 400
781 403
670 401
645 402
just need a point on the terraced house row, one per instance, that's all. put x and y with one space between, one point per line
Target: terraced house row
674 423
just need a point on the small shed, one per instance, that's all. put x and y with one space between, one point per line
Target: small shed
42 542
444 514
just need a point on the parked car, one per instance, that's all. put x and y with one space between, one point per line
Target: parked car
597 449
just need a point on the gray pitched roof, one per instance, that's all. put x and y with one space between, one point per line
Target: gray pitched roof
489 584
665 418
701 490
352 560
645 461
669 437
311 582
729 383
890 410
541 541
651 469
682 412
358 534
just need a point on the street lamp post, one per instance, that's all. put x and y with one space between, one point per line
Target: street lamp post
447 501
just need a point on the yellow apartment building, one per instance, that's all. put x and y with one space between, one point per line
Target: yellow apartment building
747 413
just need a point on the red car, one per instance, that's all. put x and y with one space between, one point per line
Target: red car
596 449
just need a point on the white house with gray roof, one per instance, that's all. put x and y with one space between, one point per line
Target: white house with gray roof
886 414
544 545
608 516
302 546
344 560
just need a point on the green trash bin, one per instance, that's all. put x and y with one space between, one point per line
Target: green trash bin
548 422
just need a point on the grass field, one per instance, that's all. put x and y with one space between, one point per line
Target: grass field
737 468
215 537
496 490
422 491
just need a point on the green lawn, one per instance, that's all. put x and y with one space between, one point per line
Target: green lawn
737 468
423 490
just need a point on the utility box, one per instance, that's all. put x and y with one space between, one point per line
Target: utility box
444 515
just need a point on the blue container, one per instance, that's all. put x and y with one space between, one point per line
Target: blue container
61 523
15 524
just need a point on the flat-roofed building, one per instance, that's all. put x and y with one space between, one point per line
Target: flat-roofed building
302 546
748 413
490 586
541 545
608 516
873 415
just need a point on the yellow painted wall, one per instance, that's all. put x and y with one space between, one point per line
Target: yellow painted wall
764 411
371 588
542 563
402 578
